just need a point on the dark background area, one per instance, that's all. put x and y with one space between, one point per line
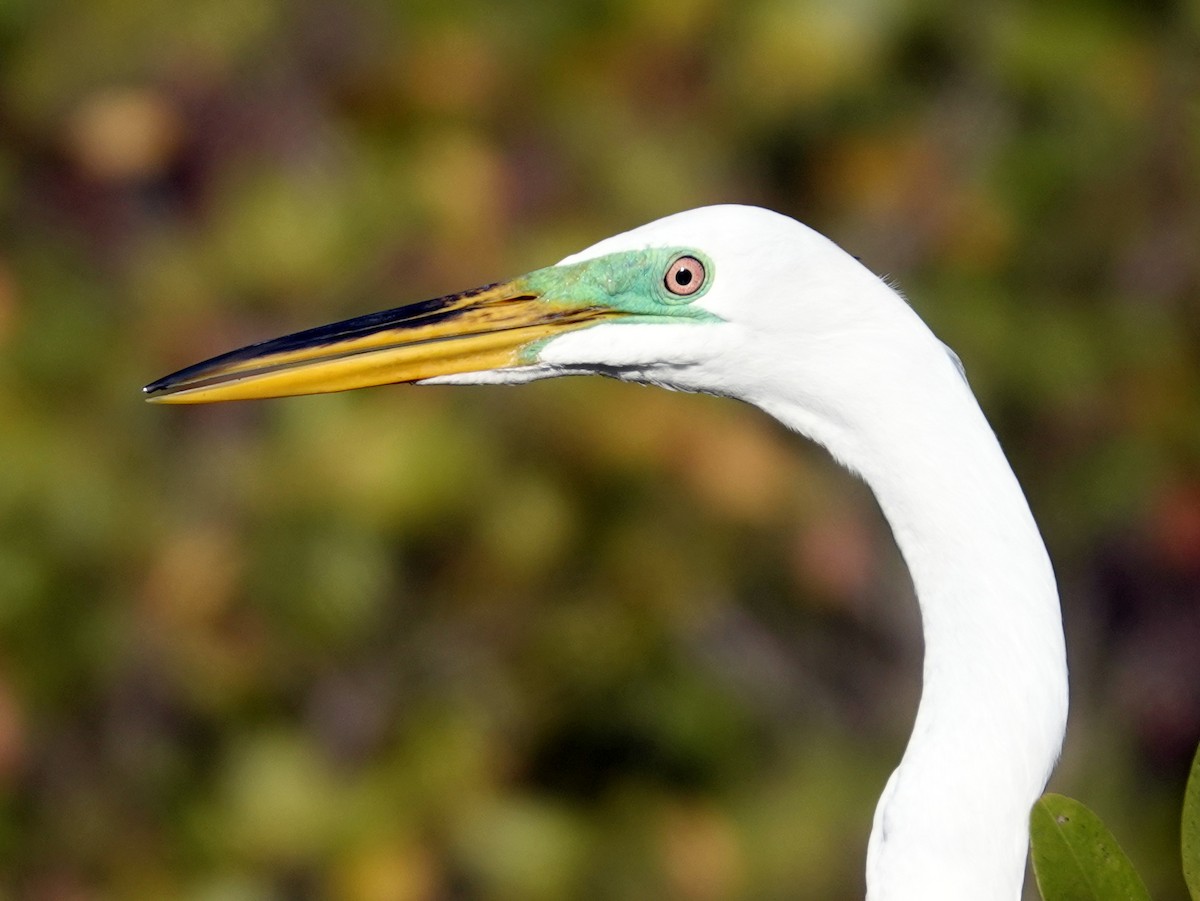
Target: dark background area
578 639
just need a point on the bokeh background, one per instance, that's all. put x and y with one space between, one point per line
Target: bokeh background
578 639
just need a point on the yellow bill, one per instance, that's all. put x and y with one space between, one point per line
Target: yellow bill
484 329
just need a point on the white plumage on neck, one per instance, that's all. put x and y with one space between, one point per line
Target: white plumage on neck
953 820
817 341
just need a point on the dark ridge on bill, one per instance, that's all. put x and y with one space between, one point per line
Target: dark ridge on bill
420 313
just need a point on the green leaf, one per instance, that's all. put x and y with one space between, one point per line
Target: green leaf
1075 858
1191 831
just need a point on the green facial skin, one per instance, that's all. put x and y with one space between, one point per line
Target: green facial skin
631 282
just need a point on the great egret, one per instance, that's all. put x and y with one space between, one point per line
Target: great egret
743 302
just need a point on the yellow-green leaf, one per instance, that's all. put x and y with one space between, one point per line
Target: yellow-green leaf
1076 858
1191 831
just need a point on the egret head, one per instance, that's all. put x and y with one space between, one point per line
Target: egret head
664 303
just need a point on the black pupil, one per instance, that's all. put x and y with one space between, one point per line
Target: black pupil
683 276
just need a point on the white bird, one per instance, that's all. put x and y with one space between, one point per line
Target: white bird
750 304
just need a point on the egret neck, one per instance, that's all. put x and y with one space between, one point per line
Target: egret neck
952 822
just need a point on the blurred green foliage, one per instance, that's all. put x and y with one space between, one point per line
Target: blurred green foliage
1075 858
579 639
1189 830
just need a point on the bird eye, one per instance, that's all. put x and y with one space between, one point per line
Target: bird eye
684 276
